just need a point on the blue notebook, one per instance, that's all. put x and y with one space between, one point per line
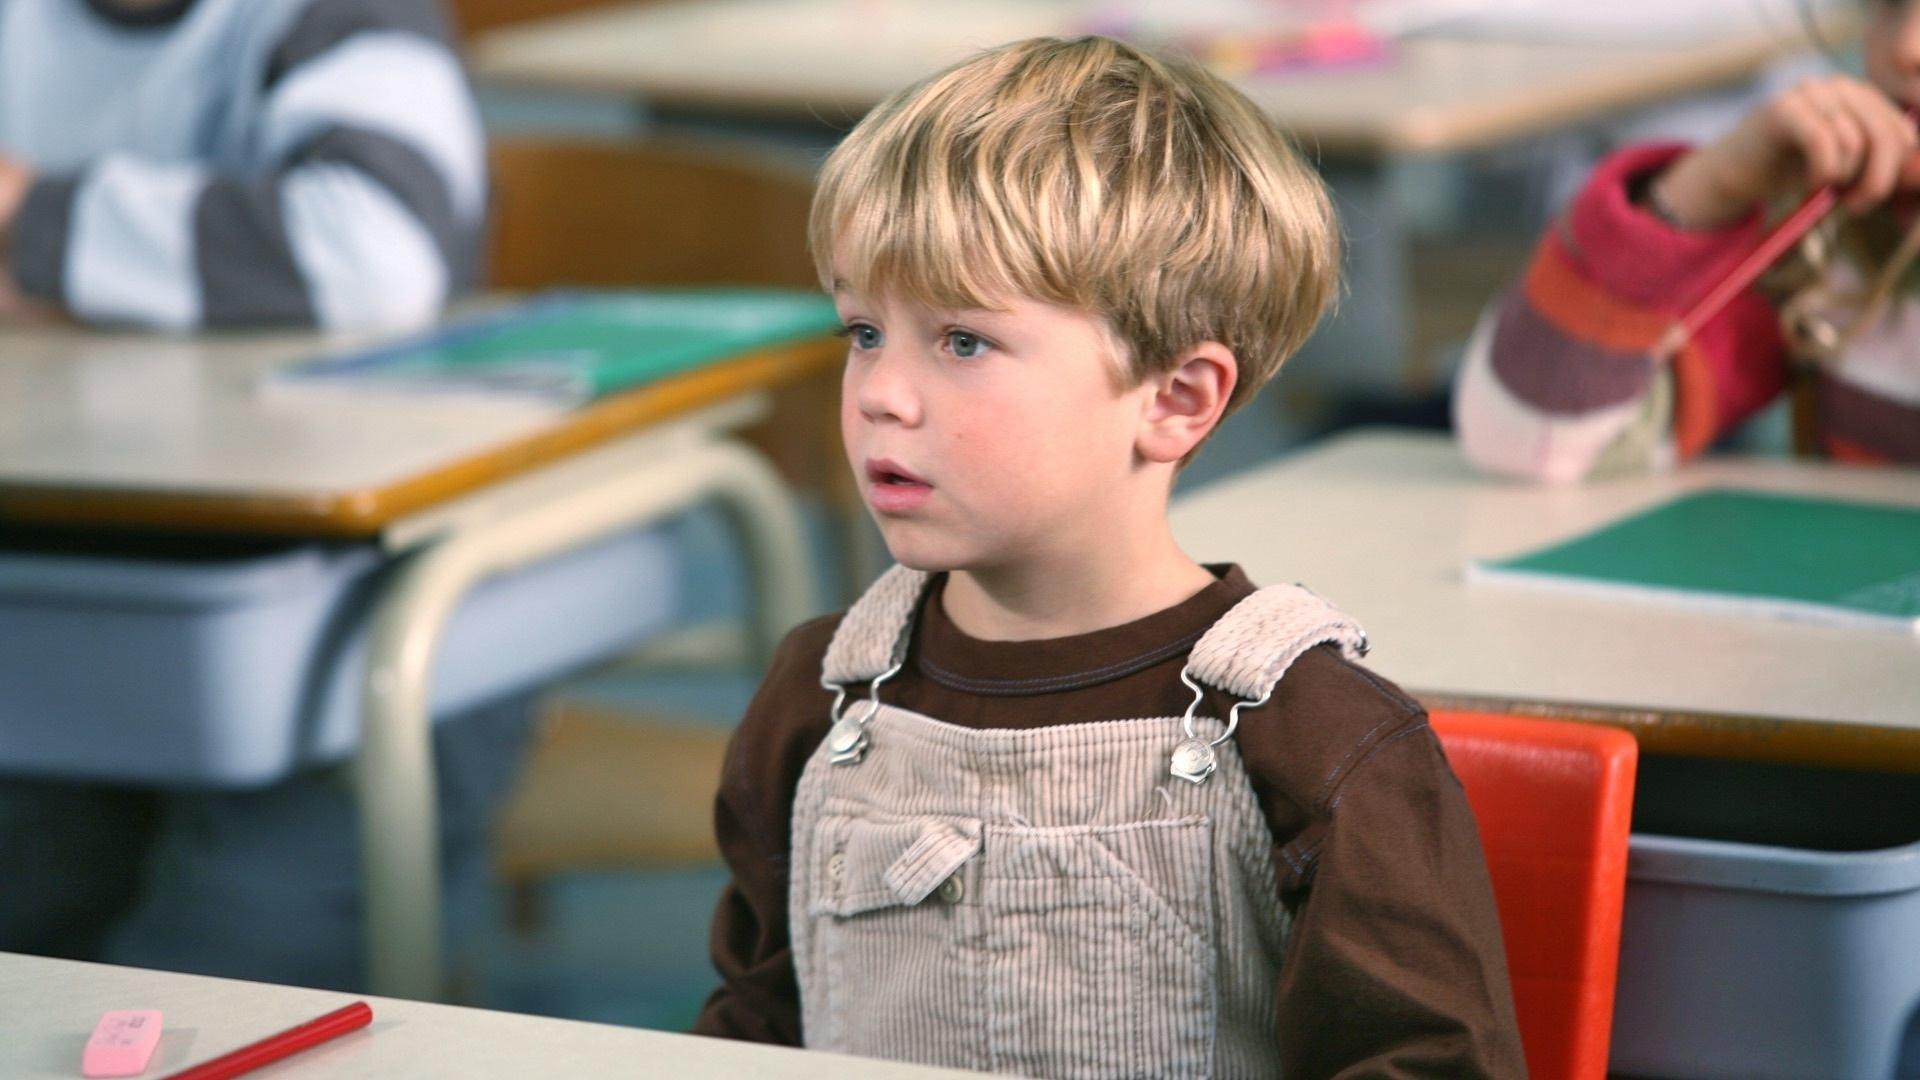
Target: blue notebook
568 348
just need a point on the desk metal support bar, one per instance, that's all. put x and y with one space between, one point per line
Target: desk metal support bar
394 771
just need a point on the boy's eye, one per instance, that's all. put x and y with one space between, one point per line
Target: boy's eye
964 345
862 335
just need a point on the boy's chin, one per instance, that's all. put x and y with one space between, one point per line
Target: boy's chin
928 563
929 554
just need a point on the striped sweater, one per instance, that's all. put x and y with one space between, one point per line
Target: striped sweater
224 162
1557 384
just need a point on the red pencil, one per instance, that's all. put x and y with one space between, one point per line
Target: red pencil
1814 207
274 1047
1784 235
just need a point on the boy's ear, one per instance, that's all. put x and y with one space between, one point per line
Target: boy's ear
1187 401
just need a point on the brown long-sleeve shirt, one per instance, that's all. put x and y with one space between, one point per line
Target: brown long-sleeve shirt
1394 966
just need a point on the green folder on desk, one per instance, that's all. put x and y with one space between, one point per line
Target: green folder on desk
1822 560
569 348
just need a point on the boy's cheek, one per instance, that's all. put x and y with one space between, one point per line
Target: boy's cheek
850 429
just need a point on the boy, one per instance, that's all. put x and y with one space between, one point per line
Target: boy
952 838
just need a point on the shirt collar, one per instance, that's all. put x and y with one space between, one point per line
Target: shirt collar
945 654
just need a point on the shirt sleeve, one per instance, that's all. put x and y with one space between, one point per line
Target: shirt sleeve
364 206
1395 965
759 997
1559 381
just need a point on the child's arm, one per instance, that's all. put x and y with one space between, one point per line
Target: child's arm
758 998
1557 384
1394 965
361 204
1829 131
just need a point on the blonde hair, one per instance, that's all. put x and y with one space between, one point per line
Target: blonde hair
1089 174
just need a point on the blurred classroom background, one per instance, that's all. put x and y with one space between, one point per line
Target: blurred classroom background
1450 139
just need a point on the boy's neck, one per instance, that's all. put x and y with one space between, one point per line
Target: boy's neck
1096 588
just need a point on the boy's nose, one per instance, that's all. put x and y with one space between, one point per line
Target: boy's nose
884 393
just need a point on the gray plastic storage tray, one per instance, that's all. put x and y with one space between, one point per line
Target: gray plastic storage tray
1798 957
228 664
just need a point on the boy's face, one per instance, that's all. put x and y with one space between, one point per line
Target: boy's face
982 439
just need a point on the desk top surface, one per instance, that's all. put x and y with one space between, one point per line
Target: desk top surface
48 1007
796 59
102 427
1384 523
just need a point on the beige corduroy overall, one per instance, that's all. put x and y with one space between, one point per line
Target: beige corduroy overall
1085 900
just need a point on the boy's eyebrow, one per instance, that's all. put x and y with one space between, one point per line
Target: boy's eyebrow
988 314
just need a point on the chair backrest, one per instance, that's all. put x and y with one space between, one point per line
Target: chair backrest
1553 800
646 212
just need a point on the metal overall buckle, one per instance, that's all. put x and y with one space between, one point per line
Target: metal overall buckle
848 740
1195 759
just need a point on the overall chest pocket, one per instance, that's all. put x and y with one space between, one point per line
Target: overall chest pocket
889 925
1100 953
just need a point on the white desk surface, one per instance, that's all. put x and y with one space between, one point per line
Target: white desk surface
831 60
48 1007
130 428
1383 523
164 412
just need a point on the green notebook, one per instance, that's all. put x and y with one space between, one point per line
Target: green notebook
1843 563
571 347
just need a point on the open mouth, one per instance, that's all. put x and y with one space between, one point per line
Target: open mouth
882 471
894 490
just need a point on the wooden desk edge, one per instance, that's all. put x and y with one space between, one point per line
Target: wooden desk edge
1871 747
363 513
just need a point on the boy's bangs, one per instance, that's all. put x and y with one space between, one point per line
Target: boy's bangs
925 248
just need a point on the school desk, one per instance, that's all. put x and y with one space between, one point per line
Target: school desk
1382 524
116 431
48 1007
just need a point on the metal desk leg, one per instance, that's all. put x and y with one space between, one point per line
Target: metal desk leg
394 778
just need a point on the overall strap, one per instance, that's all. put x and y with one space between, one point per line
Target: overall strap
872 638
1245 654
869 646
1247 651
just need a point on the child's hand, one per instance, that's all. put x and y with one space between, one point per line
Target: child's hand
1835 130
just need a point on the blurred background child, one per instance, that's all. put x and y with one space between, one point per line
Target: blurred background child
1557 383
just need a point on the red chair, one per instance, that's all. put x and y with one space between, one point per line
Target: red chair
1553 800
